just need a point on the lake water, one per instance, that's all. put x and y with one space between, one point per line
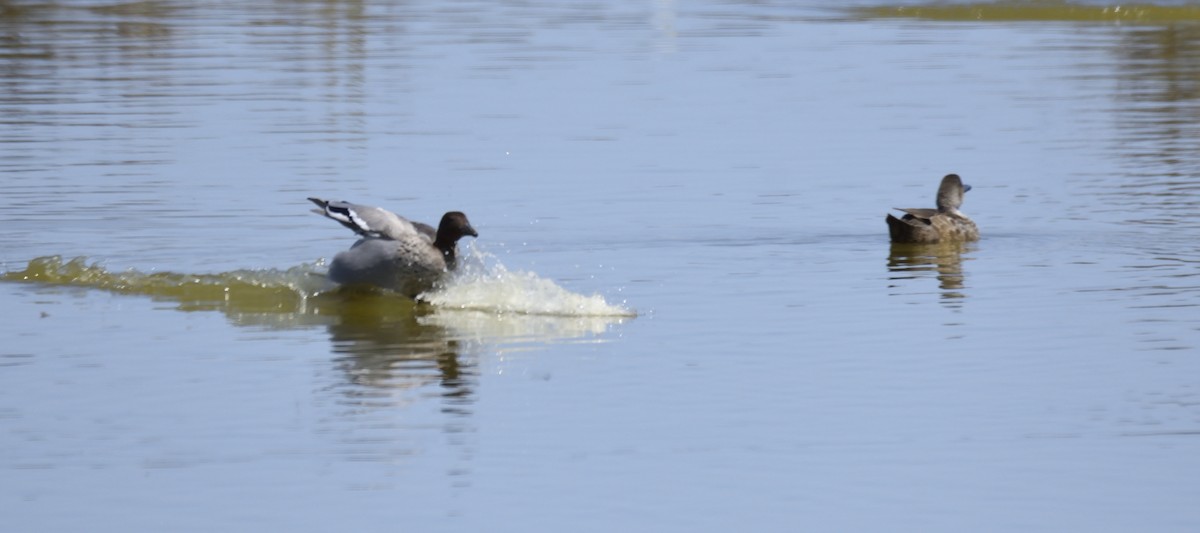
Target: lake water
682 312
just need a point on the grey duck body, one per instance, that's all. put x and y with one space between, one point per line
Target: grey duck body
942 224
394 253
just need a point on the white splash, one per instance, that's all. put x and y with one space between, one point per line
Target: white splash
483 284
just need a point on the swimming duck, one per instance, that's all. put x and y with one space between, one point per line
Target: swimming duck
944 224
394 253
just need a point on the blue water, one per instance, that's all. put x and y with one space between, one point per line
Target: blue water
720 169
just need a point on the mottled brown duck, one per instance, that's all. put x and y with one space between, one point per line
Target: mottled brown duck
945 223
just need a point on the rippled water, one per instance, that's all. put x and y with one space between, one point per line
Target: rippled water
174 358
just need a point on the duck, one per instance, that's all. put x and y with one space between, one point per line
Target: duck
942 224
393 252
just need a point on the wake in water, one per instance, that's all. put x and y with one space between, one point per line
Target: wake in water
381 339
481 284
283 288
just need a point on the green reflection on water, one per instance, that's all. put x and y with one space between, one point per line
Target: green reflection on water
1037 11
251 291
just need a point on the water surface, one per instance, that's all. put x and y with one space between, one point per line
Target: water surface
720 169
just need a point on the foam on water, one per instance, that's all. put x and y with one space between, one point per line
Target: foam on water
483 284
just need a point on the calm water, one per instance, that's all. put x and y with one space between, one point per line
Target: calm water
720 169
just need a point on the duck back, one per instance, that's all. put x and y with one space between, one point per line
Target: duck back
940 227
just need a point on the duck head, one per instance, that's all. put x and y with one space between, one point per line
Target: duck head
950 194
454 226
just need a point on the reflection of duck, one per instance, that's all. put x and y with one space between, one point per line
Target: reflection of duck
384 345
943 224
394 253
912 261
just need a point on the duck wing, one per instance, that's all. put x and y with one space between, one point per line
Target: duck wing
370 221
919 212
426 230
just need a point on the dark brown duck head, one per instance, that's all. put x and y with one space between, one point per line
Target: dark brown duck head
454 226
950 194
